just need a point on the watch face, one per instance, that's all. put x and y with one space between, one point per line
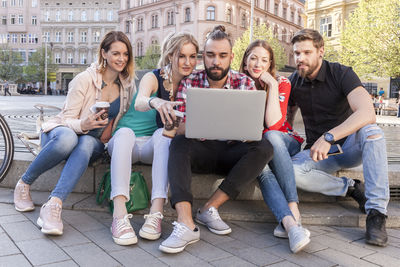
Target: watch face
329 137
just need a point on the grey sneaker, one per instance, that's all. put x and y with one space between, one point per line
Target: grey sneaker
298 238
213 221
22 198
180 237
50 219
280 232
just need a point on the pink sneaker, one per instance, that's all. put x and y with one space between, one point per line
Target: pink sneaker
151 228
22 198
122 231
50 219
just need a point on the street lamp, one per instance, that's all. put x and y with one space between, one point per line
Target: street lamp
45 64
251 20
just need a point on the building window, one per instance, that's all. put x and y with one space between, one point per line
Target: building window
284 35
276 31
14 38
34 3
71 15
256 3
32 38
47 37
13 19
70 37
127 26
154 21
266 7
47 16
83 16
140 24
4 3
139 2
325 27
154 42
128 3
299 20
211 13
57 58
276 7
83 58
139 49
34 20
284 13
20 2
58 37
96 15
96 36
23 38
58 16
257 21
70 58
229 15
244 20
187 14
110 15
4 20
13 2
20 19
83 37
170 18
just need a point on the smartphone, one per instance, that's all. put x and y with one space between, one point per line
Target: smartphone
336 149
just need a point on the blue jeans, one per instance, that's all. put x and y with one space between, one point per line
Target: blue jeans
62 143
318 176
277 182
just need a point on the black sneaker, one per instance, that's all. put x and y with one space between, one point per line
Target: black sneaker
357 192
376 228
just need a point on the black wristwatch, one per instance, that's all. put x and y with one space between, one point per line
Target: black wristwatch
329 138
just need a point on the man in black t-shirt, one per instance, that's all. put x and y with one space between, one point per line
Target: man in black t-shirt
336 109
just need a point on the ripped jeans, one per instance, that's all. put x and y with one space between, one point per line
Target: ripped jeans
358 148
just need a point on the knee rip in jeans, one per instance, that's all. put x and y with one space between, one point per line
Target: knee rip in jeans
374 133
374 137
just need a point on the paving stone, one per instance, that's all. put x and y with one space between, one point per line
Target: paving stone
206 251
314 246
20 231
151 247
7 246
15 261
90 255
389 250
12 218
343 259
233 247
103 217
70 237
212 238
393 233
6 209
302 258
383 260
103 238
232 262
68 263
40 197
182 259
7 195
83 222
256 227
32 215
42 251
343 246
253 239
89 204
284 263
259 257
135 256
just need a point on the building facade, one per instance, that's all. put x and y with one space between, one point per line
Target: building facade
73 30
148 22
20 26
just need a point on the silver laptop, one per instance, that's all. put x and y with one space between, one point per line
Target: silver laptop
225 114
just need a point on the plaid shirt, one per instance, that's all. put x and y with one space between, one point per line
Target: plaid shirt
198 79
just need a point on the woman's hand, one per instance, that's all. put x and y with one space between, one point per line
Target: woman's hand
93 121
165 108
266 78
107 133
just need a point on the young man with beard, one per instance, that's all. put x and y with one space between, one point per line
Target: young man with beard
242 162
336 109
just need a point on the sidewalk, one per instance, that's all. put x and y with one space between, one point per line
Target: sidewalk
87 242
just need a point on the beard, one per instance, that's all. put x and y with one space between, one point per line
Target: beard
304 72
216 77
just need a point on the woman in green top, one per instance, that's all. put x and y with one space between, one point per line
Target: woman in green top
138 137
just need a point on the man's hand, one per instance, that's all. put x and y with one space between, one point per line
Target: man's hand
319 150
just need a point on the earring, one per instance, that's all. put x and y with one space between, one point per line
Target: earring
104 63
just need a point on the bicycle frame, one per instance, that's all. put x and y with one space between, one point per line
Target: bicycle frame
7 159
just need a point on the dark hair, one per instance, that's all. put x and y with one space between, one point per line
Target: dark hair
266 46
309 34
218 33
108 40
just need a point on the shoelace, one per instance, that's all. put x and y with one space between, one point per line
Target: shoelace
179 229
124 224
214 213
24 191
55 211
154 219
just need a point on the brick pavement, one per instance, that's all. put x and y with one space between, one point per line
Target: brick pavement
87 242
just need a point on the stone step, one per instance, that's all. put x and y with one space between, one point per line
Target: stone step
202 185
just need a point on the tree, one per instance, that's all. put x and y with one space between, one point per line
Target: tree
330 53
150 59
371 39
259 32
10 64
36 66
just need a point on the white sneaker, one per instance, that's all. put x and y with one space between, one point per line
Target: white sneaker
180 237
280 232
22 197
122 231
213 221
151 228
298 238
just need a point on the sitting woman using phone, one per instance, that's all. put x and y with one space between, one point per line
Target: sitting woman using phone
277 182
76 134
139 138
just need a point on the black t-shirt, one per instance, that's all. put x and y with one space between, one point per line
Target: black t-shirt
323 101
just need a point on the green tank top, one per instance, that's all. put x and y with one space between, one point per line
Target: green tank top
142 123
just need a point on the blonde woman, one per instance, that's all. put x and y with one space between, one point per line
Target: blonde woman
77 135
138 137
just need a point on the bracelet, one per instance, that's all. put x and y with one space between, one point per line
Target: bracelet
149 102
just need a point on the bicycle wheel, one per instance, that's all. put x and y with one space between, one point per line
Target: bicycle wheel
6 148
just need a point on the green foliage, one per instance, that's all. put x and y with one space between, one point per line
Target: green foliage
263 33
371 39
330 54
10 64
150 59
36 66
